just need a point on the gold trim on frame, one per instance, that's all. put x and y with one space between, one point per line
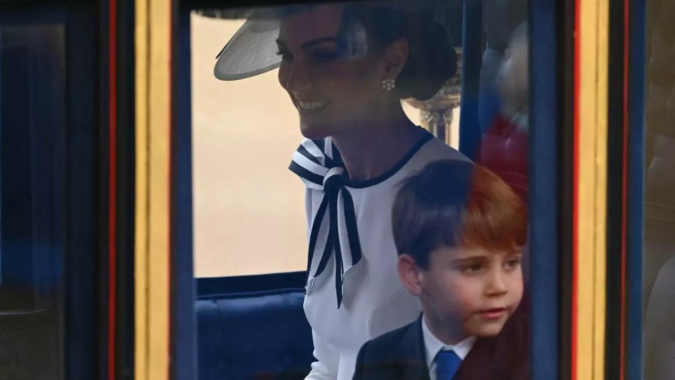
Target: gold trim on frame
152 214
591 191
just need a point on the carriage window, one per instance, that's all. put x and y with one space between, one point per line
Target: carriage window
32 116
316 131
659 240
244 136
248 211
249 214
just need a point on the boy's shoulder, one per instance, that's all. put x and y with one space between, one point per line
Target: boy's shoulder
388 344
396 355
399 352
506 356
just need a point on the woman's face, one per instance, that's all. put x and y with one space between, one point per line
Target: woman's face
333 76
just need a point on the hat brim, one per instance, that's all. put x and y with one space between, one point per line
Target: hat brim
253 49
250 52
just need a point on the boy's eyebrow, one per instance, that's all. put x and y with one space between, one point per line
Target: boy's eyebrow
473 258
483 257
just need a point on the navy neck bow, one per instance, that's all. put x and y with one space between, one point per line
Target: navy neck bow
319 165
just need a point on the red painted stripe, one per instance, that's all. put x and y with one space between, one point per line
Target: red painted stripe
624 189
112 185
575 182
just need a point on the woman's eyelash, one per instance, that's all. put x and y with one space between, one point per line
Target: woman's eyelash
318 56
284 55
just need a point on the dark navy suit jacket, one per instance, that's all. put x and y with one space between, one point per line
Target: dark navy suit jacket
400 354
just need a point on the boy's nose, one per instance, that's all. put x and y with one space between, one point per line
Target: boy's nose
496 285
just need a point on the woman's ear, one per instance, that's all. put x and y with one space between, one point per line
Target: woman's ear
410 274
395 57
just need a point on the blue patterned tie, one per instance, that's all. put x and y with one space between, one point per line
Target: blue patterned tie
447 363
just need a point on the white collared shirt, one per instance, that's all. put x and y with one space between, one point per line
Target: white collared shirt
433 346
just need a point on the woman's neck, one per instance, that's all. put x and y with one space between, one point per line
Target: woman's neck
371 150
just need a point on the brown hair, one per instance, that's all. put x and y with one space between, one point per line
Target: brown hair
432 60
454 203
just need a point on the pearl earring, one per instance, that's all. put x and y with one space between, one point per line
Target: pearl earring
388 84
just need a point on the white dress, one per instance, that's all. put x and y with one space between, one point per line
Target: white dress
356 295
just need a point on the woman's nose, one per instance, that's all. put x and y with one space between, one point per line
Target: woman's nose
296 78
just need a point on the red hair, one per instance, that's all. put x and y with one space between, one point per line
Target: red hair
454 203
495 216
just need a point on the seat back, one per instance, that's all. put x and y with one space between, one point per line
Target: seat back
258 335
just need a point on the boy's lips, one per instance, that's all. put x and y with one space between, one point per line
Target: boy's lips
493 313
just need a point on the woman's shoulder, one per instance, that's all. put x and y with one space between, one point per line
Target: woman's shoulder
398 310
435 150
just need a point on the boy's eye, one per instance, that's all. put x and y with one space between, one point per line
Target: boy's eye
513 263
472 268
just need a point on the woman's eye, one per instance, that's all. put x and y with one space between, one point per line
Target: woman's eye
285 56
324 57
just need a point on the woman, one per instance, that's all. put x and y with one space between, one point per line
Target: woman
346 69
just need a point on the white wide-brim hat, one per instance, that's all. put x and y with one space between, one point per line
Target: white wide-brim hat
253 48
251 51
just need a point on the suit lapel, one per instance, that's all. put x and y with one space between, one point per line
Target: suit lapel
413 356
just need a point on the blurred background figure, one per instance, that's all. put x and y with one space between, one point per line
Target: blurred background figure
513 79
503 147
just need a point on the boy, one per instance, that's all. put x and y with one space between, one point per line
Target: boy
458 230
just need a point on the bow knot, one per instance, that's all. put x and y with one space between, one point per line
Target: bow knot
318 164
334 179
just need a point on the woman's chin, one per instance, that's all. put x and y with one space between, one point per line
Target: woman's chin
313 131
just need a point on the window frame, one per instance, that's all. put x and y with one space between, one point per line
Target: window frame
551 32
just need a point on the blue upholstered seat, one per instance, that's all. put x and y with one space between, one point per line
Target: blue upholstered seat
261 335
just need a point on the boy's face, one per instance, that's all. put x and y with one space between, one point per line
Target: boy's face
474 288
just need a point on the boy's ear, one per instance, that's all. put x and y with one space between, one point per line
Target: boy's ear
410 274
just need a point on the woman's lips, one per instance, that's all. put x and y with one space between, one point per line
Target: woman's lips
311 106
